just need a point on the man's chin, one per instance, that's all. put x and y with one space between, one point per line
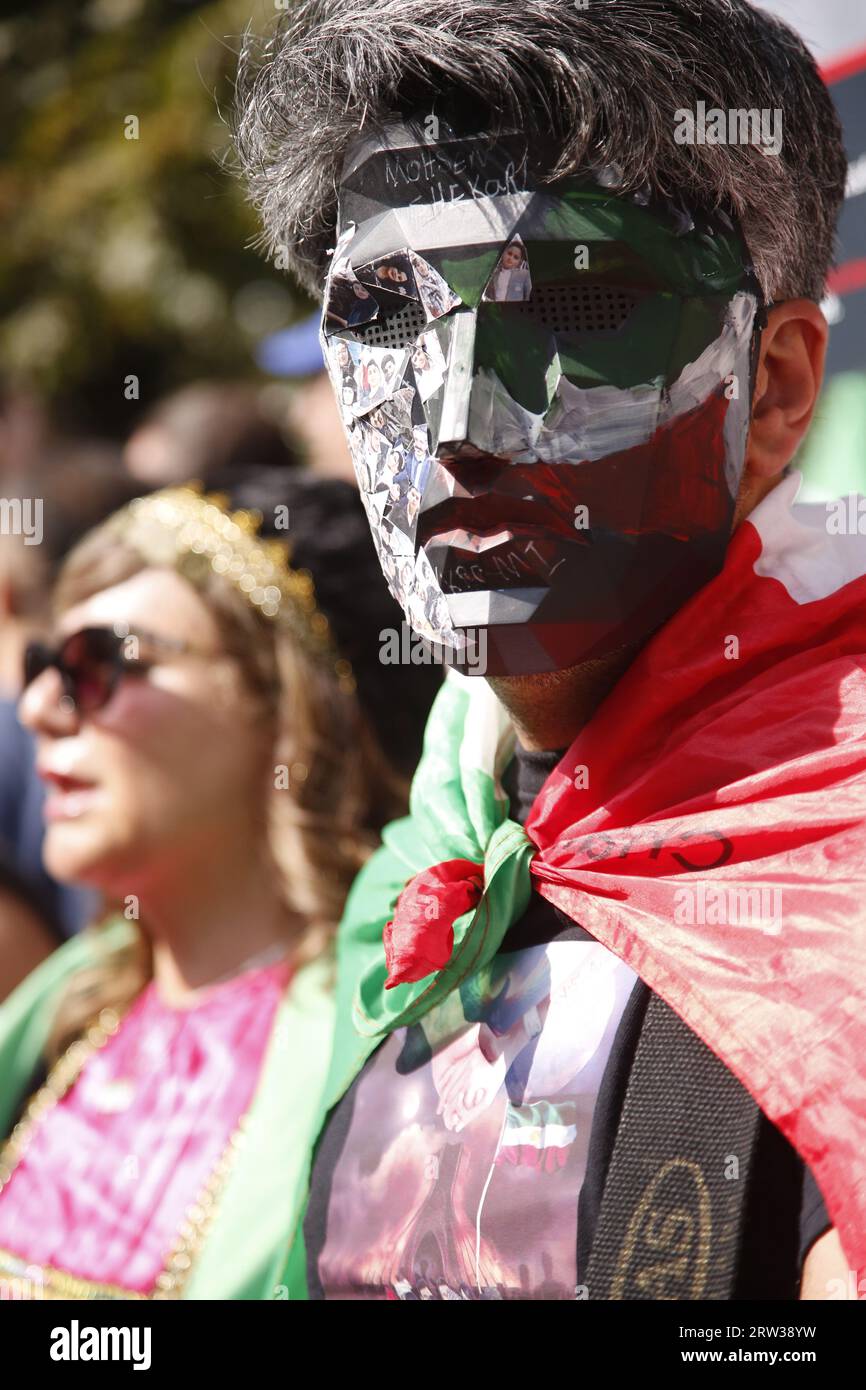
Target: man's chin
502 644
594 668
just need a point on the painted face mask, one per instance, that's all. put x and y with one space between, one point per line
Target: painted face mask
546 392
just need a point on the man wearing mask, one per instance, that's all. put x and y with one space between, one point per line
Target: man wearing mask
600 991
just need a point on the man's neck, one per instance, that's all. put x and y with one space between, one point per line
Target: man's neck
549 711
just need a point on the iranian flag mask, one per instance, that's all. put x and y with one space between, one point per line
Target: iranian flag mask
546 392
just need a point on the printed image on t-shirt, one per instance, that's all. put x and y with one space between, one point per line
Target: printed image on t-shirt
468 1140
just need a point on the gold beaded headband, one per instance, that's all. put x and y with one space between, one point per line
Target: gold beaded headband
194 532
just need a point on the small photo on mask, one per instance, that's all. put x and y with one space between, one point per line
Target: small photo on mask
348 400
377 508
368 447
341 361
418 472
406 579
389 569
393 475
510 281
376 450
405 504
377 376
364 377
393 366
428 365
397 413
342 358
418 617
418 455
397 491
413 503
427 608
400 544
360 458
373 517
348 303
435 294
396 567
393 274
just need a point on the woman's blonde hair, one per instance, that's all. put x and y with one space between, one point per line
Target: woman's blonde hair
324 812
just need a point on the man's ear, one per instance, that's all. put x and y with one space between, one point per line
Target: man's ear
789 375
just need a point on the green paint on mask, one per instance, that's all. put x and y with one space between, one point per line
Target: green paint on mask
701 322
519 351
466 269
639 354
689 263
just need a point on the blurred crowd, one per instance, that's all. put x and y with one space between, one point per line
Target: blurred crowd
213 431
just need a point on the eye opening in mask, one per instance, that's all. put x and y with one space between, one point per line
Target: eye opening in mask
398 330
596 308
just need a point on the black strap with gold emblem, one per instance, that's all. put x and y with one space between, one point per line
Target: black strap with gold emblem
676 1195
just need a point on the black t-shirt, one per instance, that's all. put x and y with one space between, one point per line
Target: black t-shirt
450 1167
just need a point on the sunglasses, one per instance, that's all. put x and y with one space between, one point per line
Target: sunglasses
92 662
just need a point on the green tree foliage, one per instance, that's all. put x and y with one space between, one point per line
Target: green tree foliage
126 248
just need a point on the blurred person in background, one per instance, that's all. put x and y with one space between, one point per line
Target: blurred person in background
313 417
210 430
76 484
211 718
82 481
24 580
29 928
27 933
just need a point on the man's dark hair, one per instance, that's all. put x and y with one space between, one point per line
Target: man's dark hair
602 82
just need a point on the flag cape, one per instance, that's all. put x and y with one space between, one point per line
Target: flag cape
708 825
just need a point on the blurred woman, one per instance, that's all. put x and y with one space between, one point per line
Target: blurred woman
210 722
27 934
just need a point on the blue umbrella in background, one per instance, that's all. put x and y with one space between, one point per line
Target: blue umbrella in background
293 352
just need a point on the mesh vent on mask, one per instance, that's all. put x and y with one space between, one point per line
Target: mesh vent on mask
579 308
587 308
398 330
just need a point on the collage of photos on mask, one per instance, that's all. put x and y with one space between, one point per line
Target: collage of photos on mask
386 361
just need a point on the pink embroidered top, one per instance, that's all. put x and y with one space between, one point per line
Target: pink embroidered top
105 1183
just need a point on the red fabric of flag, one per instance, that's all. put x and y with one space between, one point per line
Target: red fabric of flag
709 826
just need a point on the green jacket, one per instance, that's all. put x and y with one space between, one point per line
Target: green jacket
245 1252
